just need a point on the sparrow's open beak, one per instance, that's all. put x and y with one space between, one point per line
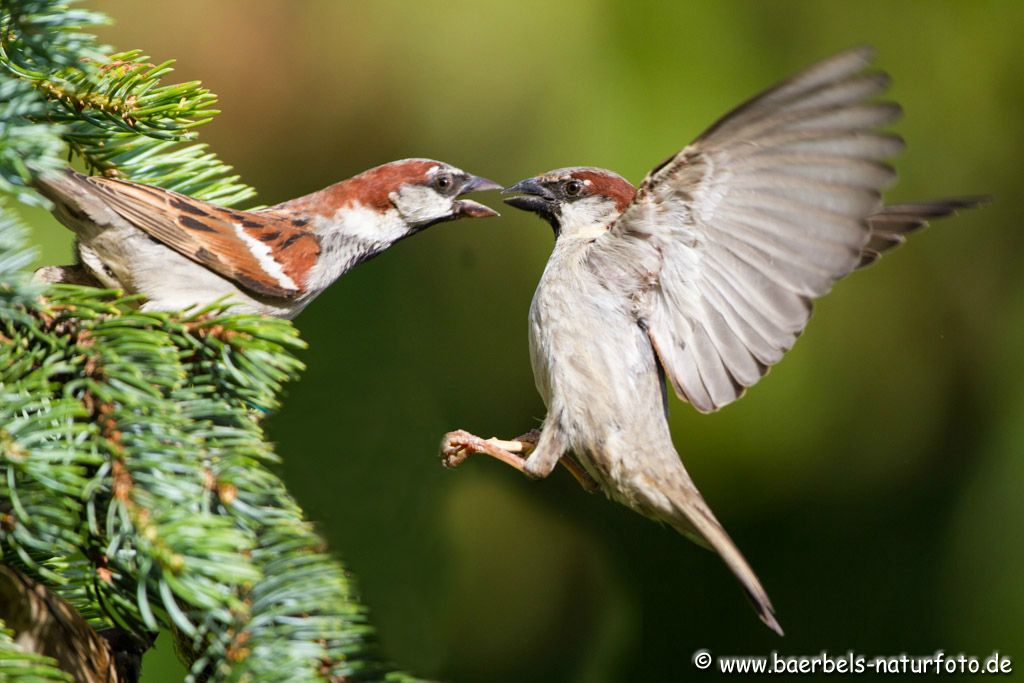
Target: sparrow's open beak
533 196
467 207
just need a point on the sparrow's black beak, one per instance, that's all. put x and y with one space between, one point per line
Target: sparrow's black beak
533 196
467 207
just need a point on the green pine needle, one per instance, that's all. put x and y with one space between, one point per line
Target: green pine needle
135 477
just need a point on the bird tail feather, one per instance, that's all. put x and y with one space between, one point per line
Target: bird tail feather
76 203
891 225
694 519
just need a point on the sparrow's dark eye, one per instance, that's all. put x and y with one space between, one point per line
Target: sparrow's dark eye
573 188
444 183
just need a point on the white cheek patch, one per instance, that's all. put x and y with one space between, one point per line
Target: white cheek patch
588 217
420 204
265 257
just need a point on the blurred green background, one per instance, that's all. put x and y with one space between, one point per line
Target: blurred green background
873 479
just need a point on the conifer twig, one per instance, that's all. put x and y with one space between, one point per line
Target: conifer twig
135 478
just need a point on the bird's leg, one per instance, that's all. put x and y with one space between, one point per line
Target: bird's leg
458 445
530 440
550 448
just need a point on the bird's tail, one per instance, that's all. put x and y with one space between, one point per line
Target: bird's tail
76 202
693 518
891 225
58 185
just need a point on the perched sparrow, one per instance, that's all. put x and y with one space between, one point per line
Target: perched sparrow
705 274
182 252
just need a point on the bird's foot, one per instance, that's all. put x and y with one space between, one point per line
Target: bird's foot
458 445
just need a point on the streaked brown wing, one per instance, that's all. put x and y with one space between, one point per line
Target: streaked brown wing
265 252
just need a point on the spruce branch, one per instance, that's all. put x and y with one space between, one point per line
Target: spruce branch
112 109
136 482
133 441
23 142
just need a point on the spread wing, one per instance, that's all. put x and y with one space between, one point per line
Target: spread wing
266 252
890 226
755 219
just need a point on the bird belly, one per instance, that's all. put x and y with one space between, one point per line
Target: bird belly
598 373
125 257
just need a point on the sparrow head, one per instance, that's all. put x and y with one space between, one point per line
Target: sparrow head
424 191
575 201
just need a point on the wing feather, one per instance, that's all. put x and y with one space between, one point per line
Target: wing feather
845 171
759 216
263 252
890 226
749 325
836 80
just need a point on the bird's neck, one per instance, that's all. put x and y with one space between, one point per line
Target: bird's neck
350 235
354 220
586 218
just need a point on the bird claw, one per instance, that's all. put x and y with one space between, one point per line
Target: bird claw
458 445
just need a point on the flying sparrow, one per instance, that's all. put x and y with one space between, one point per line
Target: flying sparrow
183 252
705 274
